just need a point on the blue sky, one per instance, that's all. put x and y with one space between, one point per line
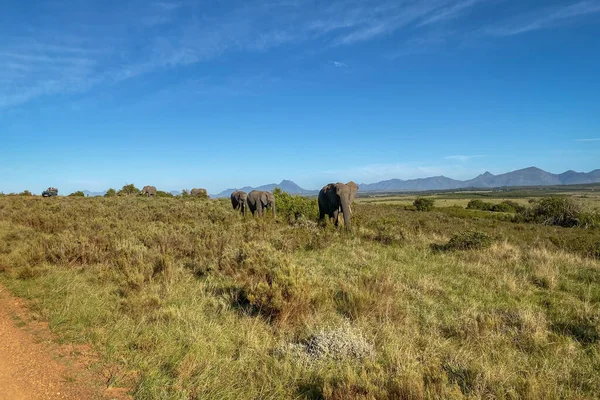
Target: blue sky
181 94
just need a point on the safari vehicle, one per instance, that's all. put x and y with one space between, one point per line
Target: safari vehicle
50 192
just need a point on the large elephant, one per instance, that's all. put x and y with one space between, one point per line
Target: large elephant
149 191
335 198
238 201
199 192
259 200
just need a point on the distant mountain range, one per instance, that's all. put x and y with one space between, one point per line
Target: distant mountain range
285 185
531 176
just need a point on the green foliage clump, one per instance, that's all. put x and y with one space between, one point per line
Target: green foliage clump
477 204
506 206
129 190
469 240
423 204
294 207
160 193
560 211
184 193
269 284
25 193
110 193
78 193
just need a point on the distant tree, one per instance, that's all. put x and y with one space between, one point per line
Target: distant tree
110 193
185 193
25 193
423 204
78 193
160 193
129 190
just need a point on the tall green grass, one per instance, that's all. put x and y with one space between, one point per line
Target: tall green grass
186 299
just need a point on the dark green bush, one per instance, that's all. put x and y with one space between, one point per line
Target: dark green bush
561 211
78 193
423 204
478 205
295 207
468 240
129 190
25 193
507 206
502 207
110 193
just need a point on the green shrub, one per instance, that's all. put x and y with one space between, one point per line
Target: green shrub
561 211
295 207
516 207
423 204
502 207
129 190
269 284
478 205
110 193
507 206
78 193
469 240
25 193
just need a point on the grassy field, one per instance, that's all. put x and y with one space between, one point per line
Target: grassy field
185 299
588 196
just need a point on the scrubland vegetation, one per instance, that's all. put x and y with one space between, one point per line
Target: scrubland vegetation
184 298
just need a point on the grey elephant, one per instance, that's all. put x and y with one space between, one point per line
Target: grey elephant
259 200
238 201
199 192
335 198
149 191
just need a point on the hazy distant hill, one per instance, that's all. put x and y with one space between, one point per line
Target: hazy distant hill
531 176
285 185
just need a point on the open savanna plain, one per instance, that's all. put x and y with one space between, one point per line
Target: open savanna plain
184 298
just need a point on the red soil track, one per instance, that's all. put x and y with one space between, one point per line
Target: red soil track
32 366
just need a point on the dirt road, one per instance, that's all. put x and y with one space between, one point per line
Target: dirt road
34 367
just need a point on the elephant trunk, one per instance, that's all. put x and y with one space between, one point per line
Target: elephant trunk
273 208
346 211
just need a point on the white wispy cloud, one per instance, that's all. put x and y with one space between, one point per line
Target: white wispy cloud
450 11
544 19
339 64
462 158
137 37
588 140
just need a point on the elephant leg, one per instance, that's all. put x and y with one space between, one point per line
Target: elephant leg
259 208
335 217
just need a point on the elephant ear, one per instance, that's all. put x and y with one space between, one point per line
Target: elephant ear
353 189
